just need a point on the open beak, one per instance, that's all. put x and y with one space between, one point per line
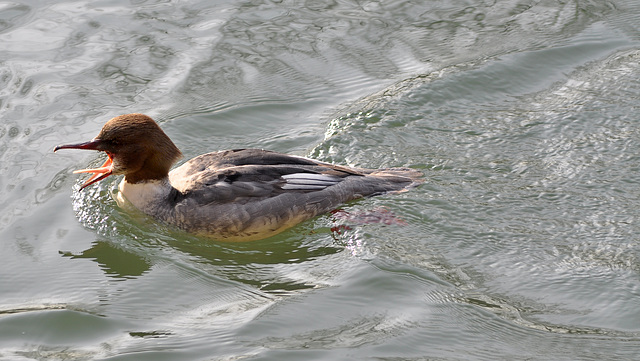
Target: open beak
99 174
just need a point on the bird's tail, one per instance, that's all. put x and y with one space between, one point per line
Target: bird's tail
398 179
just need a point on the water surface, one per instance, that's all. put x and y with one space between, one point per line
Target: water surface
522 244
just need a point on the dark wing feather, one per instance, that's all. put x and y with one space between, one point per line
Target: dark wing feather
240 176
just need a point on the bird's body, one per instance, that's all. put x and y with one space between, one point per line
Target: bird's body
233 195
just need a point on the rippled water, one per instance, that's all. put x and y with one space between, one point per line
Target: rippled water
522 244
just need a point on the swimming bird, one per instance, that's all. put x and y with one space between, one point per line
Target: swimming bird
231 195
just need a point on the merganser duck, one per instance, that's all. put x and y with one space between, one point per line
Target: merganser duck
231 195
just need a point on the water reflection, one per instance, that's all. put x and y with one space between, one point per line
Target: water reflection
114 261
267 265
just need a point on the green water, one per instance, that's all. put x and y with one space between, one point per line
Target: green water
523 243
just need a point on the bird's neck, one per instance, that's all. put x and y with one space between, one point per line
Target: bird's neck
149 196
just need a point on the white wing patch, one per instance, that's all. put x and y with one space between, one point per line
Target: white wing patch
309 181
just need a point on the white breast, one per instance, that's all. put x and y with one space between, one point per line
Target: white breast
145 195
